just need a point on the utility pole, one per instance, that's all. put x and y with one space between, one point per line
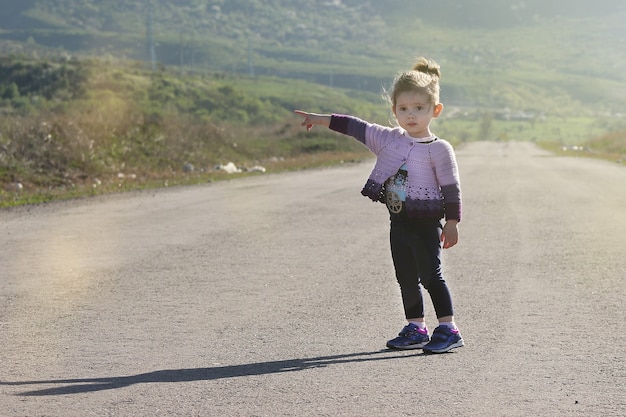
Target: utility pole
250 64
193 48
182 51
150 35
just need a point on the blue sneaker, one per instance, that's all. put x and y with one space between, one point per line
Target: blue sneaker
411 337
444 339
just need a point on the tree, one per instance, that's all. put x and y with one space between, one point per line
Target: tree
10 92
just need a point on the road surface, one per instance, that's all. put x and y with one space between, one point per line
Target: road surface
275 295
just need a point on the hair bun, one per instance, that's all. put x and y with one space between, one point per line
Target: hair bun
427 66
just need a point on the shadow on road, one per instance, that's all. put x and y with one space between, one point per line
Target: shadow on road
84 385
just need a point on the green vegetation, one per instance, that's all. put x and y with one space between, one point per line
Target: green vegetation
82 112
117 126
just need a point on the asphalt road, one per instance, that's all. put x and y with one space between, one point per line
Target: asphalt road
275 295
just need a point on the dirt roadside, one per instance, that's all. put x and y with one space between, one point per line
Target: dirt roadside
274 296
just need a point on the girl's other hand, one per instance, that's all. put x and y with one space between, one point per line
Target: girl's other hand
450 234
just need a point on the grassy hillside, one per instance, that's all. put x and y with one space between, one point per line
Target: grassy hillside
89 126
72 128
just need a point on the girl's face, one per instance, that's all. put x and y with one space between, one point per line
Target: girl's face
414 111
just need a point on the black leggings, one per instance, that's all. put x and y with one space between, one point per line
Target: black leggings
416 253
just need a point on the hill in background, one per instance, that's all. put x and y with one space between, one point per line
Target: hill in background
554 56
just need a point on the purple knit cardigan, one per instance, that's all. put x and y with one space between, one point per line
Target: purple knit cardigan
434 187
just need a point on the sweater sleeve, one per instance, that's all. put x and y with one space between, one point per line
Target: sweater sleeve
372 135
349 125
447 173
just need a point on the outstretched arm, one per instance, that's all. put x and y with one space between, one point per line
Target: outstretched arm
350 126
312 119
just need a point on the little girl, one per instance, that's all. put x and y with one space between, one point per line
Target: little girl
416 176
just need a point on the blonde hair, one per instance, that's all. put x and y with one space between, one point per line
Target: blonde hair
423 78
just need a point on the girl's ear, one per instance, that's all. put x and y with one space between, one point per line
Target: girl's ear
437 110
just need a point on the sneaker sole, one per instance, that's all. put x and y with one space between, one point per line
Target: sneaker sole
407 347
447 348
